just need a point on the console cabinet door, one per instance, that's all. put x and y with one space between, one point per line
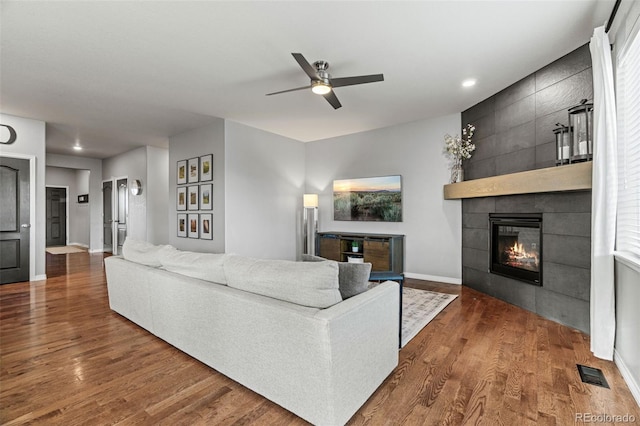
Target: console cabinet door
377 253
330 248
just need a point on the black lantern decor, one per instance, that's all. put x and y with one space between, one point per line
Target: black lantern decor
581 131
563 146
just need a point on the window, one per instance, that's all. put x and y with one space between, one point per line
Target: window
628 112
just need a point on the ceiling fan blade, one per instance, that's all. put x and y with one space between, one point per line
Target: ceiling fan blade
361 79
333 100
306 66
288 90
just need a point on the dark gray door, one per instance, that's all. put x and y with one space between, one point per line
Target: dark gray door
122 213
14 220
56 216
107 216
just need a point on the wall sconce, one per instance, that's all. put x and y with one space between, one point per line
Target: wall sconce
563 147
310 222
135 187
581 131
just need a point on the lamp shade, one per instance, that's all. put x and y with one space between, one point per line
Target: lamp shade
310 200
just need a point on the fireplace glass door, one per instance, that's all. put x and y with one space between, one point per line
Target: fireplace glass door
516 247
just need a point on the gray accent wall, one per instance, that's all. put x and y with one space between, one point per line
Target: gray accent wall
431 225
514 134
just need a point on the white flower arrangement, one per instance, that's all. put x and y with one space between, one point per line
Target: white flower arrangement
459 149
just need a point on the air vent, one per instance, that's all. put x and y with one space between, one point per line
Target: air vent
592 376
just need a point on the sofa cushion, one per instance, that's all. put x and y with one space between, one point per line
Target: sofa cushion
204 266
313 284
142 252
353 278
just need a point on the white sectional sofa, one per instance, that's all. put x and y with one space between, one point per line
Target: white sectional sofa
320 363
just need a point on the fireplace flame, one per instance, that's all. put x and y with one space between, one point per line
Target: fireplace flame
518 254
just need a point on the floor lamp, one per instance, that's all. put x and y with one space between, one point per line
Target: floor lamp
310 223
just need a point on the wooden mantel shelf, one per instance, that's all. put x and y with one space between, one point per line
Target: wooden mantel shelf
572 177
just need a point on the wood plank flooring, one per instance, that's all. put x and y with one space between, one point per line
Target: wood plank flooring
67 359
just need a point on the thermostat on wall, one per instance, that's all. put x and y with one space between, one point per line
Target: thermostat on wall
84 198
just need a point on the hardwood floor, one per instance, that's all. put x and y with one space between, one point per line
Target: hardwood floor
66 358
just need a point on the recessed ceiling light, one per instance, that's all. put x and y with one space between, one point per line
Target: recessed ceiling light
77 147
469 82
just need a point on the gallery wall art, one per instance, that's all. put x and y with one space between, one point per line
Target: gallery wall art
194 193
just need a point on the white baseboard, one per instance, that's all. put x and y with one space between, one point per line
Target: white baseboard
96 251
634 387
39 277
436 278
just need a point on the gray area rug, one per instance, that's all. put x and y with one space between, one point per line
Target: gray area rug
418 308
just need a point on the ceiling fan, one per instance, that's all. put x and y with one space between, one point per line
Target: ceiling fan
323 84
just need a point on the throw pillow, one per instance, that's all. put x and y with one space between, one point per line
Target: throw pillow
142 252
313 284
353 278
204 266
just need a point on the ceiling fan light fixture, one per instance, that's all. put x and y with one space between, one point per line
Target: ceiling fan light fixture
320 87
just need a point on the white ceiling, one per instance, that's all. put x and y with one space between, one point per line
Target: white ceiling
116 75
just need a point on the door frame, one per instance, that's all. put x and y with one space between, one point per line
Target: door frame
66 237
32 211
114 206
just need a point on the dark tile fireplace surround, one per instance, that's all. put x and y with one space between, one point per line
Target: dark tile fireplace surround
514 134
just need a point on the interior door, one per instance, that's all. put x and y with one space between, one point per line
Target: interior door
14 220
107 216
122 213
56 216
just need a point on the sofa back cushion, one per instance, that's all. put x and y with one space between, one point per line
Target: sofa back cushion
353 278
204 266
313 284
142 252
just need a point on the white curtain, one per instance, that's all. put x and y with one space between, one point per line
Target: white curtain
604 199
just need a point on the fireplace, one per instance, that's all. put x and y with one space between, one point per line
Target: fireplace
516 246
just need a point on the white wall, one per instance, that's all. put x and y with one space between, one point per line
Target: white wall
157 197
132 165
195 143
94 166
30 143
79 232
432 226
265 176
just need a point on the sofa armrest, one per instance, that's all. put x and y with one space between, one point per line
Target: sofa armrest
363 333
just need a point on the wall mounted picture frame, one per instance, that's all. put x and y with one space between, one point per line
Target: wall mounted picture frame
206 222
192 197
181 198
206 168
193 225
374 199
193 169
182 225
181 172
206 194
